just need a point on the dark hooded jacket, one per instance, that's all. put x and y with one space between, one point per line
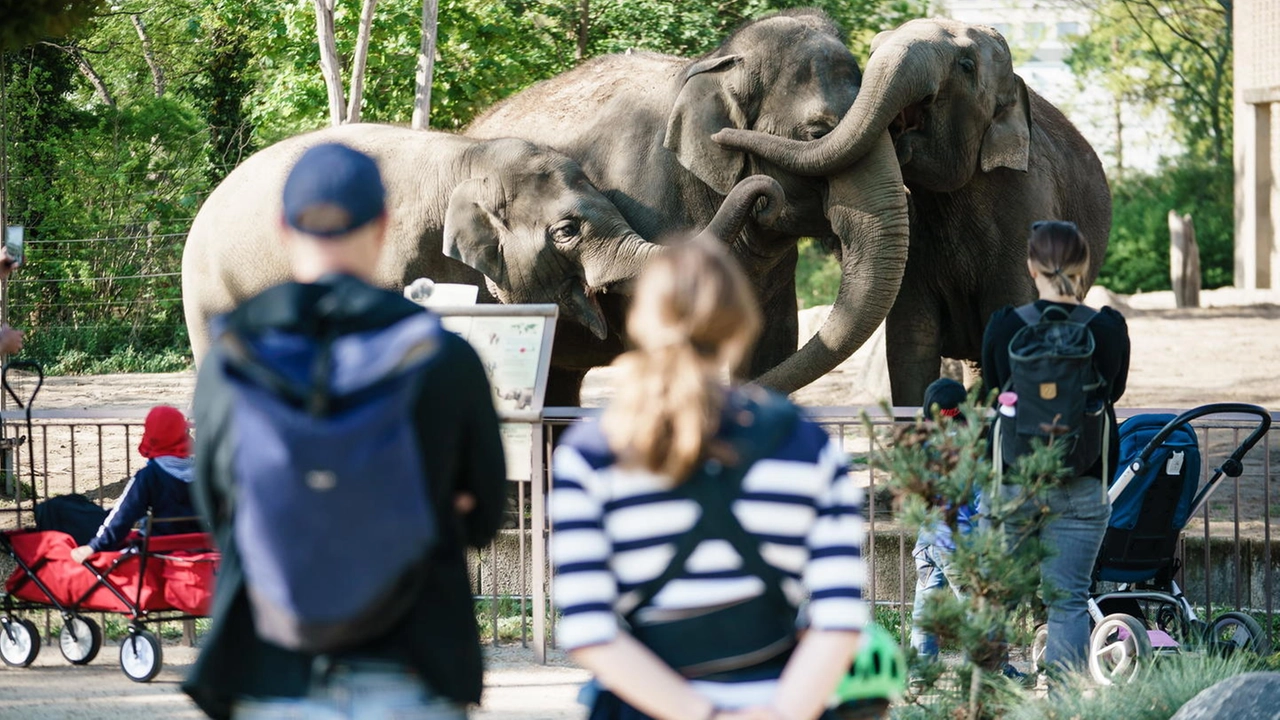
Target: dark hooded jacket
461 451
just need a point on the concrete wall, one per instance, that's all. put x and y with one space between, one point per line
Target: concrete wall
1257 142
894 569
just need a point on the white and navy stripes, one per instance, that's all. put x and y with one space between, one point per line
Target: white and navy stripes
615 529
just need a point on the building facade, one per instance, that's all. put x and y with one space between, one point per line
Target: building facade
1257 143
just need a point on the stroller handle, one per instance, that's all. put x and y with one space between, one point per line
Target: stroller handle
1231 467
31 365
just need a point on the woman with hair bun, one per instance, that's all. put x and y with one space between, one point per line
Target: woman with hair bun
1057 259
704 514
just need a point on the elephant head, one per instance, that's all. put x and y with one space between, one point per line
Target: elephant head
540 231
947 94
789 76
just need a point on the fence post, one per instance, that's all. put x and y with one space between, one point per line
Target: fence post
1184 260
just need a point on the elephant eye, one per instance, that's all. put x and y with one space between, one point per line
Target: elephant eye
565 231
967 65
813 131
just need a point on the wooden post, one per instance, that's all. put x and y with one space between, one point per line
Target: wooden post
1184 261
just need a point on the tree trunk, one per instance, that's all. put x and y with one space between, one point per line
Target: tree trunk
86 69
426 67
1184 261
157 73
358 62
329 65
584 28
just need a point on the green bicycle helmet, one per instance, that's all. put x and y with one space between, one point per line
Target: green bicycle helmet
877 677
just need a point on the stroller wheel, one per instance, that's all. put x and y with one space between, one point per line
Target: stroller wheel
19 641
80 640
1234 631
1117 647
1039 644
140 656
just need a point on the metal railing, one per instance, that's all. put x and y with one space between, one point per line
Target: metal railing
1226 551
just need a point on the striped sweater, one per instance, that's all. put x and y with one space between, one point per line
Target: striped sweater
615 529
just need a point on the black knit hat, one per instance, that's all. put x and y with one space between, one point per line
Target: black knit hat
947 394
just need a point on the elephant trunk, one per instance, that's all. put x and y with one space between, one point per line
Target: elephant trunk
867 209
739 205
618 263
898 75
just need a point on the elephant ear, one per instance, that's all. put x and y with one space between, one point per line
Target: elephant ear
881 38
473 228
1008 139
704 106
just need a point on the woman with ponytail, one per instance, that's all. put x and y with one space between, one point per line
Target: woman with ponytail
1057 259
692 521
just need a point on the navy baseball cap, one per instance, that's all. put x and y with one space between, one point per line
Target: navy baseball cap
344 182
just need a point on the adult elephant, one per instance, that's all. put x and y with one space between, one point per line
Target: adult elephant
517 220
983 157
640 124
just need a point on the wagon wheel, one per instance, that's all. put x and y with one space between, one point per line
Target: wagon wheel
1117 647
19 641
80 640
141 656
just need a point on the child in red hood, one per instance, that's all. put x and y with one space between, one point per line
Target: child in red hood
161 486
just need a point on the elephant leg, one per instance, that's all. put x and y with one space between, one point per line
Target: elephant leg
781 331
913 348
564 387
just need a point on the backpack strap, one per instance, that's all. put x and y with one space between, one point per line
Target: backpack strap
1029 314
1081 313
714 488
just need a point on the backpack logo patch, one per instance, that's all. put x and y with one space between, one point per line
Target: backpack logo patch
1048 391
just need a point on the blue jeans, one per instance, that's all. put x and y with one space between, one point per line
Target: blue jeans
356 694
1073 537
933 574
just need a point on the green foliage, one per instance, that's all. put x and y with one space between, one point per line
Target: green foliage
934 467
1138 251
1176 52
107 175
817 275
27 21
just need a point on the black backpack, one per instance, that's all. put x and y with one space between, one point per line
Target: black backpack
1060 393
332 516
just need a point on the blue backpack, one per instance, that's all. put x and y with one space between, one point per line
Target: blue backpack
332 514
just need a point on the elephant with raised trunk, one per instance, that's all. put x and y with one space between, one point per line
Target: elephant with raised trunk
640 124
982 156
517 220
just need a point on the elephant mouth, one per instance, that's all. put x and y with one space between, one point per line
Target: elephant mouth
581 303
912 119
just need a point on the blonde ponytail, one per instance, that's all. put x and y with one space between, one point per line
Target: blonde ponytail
693 315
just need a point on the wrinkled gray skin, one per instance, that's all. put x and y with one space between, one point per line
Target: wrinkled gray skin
519 221
983 158
640 125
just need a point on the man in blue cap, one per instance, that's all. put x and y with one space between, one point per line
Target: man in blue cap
424 660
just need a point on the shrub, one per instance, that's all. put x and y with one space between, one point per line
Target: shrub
1138 252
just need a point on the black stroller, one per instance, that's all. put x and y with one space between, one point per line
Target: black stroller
1155 493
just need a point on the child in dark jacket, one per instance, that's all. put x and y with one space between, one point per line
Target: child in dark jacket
161 486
